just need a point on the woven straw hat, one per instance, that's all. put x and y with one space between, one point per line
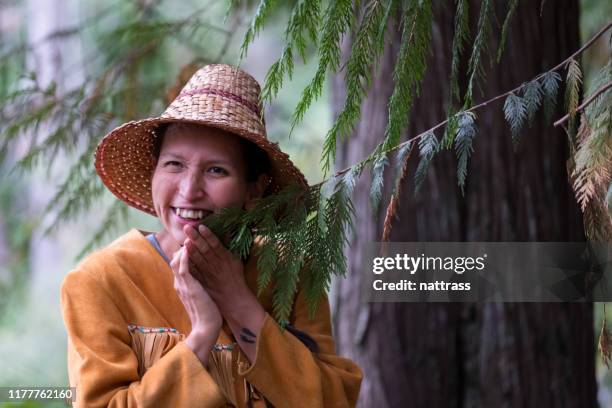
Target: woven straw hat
220 96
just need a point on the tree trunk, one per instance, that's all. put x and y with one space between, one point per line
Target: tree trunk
461 354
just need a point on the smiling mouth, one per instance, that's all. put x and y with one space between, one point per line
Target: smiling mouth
191 214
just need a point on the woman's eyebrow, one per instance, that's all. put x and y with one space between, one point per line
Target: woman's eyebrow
173 155
224 162
212 160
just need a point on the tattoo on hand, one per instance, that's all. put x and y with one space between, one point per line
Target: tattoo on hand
247 336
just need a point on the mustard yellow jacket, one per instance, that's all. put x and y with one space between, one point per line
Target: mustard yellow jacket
112 364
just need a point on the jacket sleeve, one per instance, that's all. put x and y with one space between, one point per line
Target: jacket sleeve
288 374
104 368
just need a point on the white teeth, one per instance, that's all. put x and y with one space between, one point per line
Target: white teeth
190 214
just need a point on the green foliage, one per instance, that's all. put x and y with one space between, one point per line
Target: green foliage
463 145
532 95
338 19
572 88
592 172
550 85
450 131
512 5
428 146
604 100
462 34
515 111
115 216
300 235
401 159
376 187
365 52
305 18
16 230
409 69
475 68
263 12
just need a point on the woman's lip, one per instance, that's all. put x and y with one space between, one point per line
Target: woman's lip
188 208
185 221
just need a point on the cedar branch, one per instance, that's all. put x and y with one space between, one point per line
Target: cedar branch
585 103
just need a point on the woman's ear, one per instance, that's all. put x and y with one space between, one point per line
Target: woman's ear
255 190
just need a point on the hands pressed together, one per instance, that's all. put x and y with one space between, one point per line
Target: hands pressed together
210 282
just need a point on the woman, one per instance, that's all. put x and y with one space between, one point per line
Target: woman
171 318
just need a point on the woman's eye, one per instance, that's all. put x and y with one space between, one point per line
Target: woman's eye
217 170
172 163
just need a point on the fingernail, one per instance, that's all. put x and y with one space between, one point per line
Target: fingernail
202 228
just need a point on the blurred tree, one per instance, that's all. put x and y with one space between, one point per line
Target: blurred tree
471 355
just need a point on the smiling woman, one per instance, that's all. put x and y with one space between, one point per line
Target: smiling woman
172 318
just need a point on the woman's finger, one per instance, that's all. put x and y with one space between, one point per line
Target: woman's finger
198 241
195 254
194 270
184 264
216 247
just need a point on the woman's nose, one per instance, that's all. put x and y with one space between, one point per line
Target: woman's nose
191 186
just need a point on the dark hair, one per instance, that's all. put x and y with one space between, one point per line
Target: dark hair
257 160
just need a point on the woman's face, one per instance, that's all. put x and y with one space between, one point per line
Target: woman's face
199 171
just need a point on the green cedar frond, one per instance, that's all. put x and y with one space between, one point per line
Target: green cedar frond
365 53
572 88
326 240
304 18
550 85
115 217
450 131
376 187
337 21
267 262
532 95
232 7
462 34
263 12
291 241
603 101
401 167
244 238
400 164
349 180
515 111
339 217
593 159
428 146
475 68
410 68
512 5
78 196
463 145
28 122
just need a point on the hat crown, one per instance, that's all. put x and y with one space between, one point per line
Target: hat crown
225 78
217 87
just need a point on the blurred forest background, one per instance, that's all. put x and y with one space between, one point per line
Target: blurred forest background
52 47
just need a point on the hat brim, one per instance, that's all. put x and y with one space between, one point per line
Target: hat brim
125 160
